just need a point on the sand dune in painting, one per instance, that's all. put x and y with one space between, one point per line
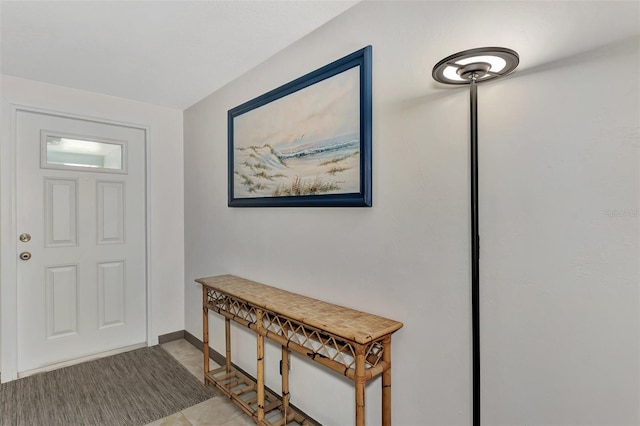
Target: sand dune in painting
322 167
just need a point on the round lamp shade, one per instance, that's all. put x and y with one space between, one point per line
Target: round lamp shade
483 64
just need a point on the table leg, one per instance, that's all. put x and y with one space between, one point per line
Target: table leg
360 382
205 333
386 382
285 379
227 343
260 372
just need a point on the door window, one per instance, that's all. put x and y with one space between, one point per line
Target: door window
69 152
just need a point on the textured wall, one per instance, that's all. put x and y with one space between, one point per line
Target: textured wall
558 205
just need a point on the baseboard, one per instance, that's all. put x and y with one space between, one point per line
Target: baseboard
170 337
218 358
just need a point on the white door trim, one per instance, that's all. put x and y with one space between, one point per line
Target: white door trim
9 231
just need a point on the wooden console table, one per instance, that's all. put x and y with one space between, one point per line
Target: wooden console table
353 343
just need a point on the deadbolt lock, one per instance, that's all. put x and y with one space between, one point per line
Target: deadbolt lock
25 255
25 238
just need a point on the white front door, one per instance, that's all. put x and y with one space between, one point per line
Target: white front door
81 243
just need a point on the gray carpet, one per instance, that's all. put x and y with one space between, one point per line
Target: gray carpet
133 388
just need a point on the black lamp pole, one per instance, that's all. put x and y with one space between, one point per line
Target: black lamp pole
475 254
472 67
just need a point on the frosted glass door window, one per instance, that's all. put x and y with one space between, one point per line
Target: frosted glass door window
67 153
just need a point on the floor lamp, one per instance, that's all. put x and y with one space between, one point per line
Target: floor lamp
472 67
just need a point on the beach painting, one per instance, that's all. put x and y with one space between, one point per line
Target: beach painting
301 149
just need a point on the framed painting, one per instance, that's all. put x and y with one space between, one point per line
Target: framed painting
306 143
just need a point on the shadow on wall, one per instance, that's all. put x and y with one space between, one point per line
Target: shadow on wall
629 45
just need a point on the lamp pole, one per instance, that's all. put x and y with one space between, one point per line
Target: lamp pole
472 67
475 253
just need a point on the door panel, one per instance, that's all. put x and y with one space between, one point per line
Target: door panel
110 202
111 285
81 197
61 300
60 212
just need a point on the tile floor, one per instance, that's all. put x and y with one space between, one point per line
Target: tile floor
217 411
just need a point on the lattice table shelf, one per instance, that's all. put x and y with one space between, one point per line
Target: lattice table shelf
353 343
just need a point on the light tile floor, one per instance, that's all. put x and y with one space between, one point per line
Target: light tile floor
217 411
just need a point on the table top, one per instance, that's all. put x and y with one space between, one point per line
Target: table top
347 323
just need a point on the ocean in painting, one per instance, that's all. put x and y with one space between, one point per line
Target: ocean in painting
328 166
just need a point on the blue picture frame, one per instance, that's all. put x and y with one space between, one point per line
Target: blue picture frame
306 143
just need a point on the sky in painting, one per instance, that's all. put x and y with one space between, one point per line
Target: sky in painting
323 110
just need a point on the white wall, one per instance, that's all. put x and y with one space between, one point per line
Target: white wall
559 200
165 174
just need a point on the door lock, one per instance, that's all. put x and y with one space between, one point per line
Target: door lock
25 255
25 238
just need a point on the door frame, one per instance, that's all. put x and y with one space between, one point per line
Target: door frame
9 231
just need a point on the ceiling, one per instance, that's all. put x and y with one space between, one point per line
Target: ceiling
169 53
175 53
